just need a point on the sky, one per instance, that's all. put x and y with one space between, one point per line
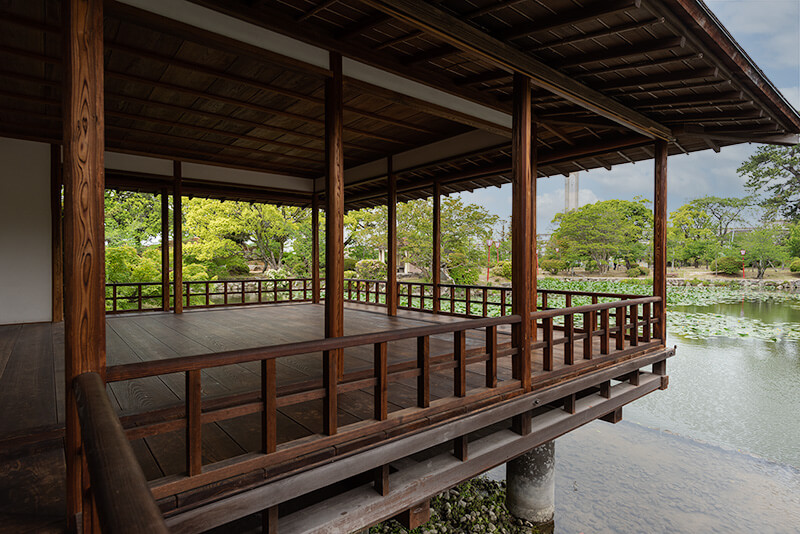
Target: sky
769 31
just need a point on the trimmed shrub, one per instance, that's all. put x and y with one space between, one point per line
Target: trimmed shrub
635 272
350 274
727 265
371 270
795 265
350 264
502 269
553 266
464 275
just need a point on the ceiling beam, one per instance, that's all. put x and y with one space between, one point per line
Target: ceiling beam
605 32
575 16
464 36
620 52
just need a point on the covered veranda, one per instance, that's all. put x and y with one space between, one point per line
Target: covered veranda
298 404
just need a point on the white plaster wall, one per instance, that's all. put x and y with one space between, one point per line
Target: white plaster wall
25 265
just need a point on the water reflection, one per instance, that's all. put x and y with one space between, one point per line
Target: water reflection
739 393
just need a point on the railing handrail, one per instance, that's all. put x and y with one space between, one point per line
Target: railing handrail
125 504
130 371
574 310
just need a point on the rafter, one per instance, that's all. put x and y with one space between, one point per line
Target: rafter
599 34
620 52
462 35
575 16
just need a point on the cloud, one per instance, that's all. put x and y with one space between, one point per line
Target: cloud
769 30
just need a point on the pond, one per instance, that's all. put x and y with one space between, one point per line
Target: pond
739 390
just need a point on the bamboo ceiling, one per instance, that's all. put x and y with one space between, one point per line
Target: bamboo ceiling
174 92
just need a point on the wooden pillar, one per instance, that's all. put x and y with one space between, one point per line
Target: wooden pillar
534 253
391 238
436 263
334 236
165 249
56 234
177 237
660 237
521 227
84 246
315 281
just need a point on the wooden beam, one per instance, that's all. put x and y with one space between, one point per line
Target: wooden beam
391 238
177 236
521 252
619 52
334 237
315 279
165 303
466 37
84 245
436 264
613 30
577 15
56 234
660 237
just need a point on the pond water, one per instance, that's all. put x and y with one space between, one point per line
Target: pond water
735 391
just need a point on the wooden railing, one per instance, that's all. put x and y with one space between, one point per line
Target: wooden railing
367 291
146 296
117 484
552 356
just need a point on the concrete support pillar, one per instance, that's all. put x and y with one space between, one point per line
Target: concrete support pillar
531 485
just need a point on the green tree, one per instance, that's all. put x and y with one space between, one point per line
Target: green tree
225 230
793 241
764 248
595 233
723 211
692 235
774 172
132 219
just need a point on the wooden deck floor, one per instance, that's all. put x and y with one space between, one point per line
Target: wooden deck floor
32 387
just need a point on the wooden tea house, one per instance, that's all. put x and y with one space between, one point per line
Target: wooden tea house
323 404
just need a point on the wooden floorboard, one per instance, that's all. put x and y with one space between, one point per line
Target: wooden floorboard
27 385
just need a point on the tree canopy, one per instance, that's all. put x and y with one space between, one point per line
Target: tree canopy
773 173
610 229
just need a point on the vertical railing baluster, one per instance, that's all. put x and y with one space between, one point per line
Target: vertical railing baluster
547 356
503 298
380 368
634 315
460 357
468 296
568 300
544 300
424 366
186 287
114 297
269 416
588 329
605 326
620 337
330 419
274 291
491 356
593 315
260 291
225 291
569 334
291 290
194 425
485 304
305 289
208 294
452 292
244 299
646 327
139 295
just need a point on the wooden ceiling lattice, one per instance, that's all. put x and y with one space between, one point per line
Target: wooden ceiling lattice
177 92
